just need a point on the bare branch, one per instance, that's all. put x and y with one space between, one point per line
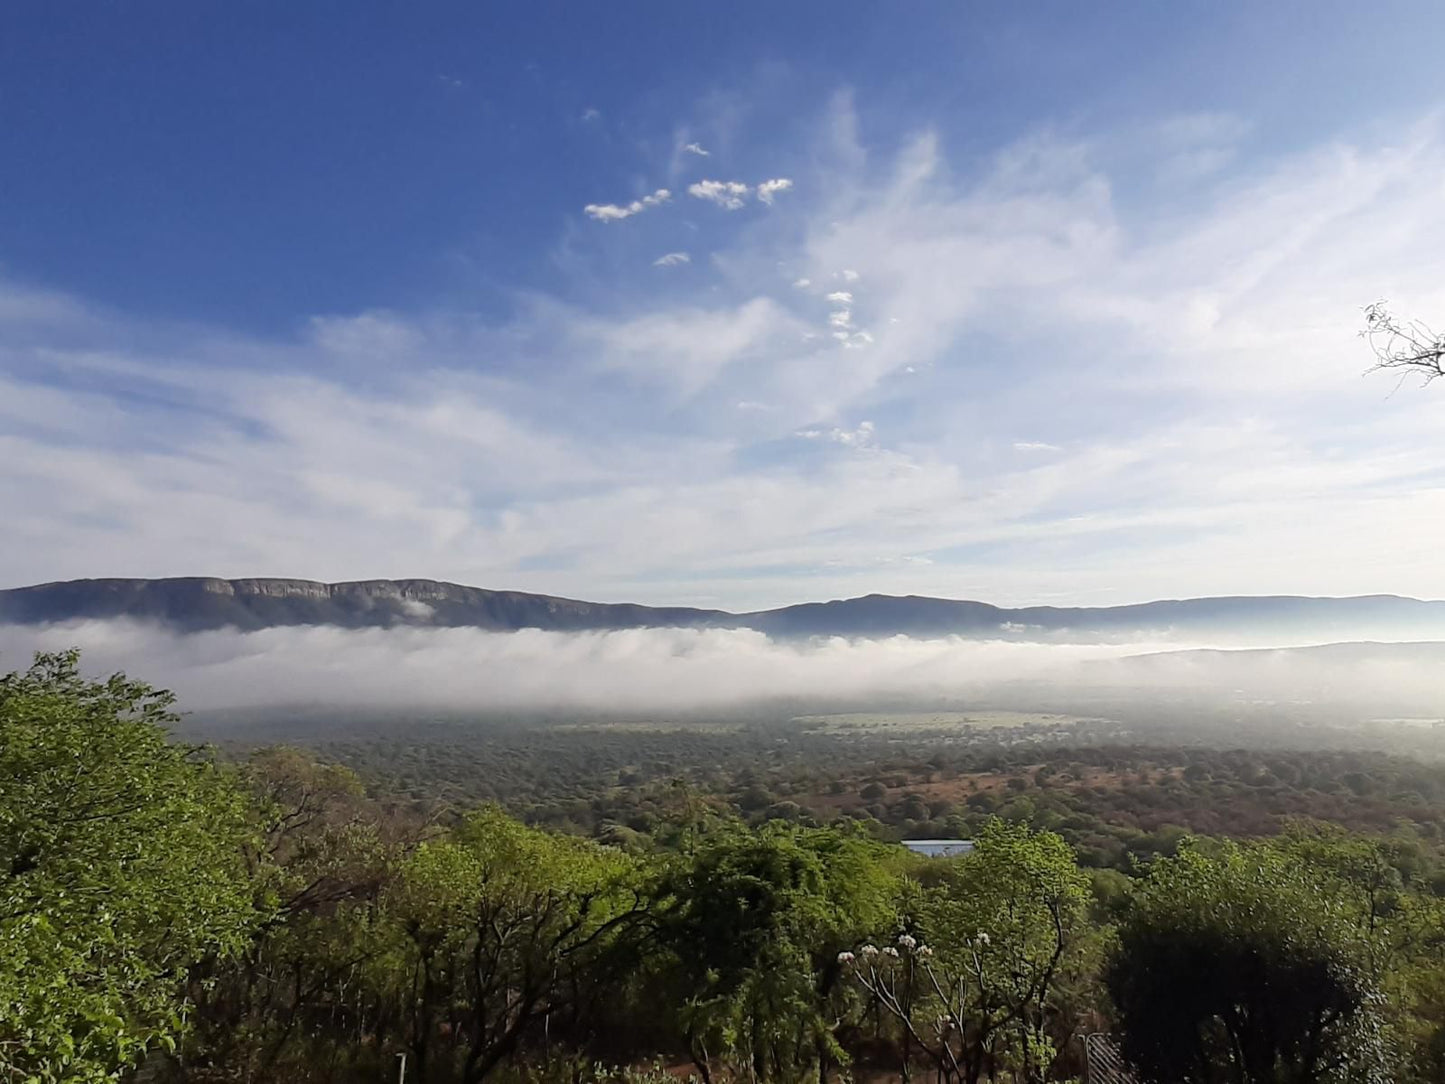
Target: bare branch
1407 346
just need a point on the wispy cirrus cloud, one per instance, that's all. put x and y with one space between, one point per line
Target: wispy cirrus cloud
1194 369
864 436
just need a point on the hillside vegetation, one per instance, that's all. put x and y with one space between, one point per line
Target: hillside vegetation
167 915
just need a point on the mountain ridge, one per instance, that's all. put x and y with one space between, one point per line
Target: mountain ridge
200 603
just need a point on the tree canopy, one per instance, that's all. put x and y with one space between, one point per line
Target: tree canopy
169 918
1248 963
121 865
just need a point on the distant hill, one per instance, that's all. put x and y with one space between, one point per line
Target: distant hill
199 603
196 603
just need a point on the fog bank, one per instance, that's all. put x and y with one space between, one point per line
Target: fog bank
665 669
470 668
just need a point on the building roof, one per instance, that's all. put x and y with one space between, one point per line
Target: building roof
939 848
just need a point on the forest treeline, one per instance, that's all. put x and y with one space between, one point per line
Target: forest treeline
168 916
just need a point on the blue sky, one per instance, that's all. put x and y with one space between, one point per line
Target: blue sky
729 305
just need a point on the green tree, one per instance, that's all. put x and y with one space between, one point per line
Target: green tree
1403 924
984 979
753 923
121 867
324 854
496 928
1248 965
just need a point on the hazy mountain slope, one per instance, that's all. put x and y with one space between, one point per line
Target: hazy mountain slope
883 615
1387 676
196 603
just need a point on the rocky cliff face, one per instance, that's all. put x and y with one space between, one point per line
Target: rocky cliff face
194 604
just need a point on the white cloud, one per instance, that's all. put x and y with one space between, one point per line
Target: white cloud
729 195
863 436
590 114
732 195
768 190
1195 362
1035 446
612 212
841 297
697 149
802 284
672 259
688 349
417 610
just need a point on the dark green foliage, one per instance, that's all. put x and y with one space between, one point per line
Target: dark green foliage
751 925
1251 964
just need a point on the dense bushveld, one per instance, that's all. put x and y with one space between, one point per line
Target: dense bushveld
168 915
1118 794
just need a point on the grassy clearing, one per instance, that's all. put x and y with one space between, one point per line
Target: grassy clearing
936 720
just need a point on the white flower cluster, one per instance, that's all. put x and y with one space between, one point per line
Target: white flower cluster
907 942
910 944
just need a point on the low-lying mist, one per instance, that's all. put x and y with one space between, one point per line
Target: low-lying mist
649 670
